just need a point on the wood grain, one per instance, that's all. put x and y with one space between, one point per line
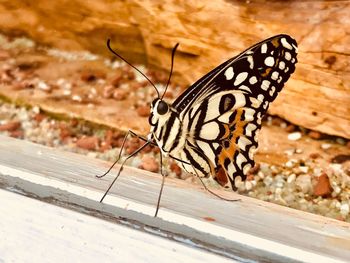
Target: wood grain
210 32
249 229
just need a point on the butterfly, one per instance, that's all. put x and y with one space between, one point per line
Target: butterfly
211 129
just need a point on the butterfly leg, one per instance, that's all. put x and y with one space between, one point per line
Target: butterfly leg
205 187
223 198
122 165
121 150
162 185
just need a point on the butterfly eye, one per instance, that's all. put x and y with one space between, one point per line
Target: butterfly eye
162 108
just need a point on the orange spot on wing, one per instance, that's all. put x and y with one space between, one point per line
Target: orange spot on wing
275 42
229 152
267 71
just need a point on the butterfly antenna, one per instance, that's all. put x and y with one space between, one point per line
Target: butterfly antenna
171 69
119 56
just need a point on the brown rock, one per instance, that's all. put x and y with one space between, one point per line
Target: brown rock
88 142
117 78
120 94
25 84
323 186
291 128
17 134
143 111
176 169
39 117
10 126
73 122
149 163
132 145
314 155
315 135
108 91
92 76
105 146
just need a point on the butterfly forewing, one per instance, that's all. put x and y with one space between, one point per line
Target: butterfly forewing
223 110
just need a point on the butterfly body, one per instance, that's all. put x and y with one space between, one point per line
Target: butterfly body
212 126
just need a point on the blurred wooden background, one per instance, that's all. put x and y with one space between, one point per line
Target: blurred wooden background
210 32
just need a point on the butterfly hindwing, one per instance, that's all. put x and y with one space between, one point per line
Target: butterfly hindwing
225 107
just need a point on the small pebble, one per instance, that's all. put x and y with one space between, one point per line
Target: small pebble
344 209
315 135
149 163
120 94
291 178
290 128
294 136
10 126
314 155
322 187
326 146
176 169
88 142
304 169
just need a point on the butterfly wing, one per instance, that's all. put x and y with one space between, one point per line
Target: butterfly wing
223 110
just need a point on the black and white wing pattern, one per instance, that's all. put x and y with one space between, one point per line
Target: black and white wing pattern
221 113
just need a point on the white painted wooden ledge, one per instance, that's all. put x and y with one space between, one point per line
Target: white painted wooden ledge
123 229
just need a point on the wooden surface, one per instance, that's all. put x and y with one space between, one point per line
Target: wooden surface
34 231
210 32
248 229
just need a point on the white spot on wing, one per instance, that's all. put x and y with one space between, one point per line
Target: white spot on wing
266 104
243 142
229 73
250 128
288 56
209 131
231 169
207 150
272 91
281 65
286 44
240 159
296 48
269 61
265 84
251 62
240 100
243 87
255 102
274 75
263 48
225 118
253 80
240 78
261 97
249 114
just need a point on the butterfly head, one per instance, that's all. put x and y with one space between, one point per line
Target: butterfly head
159 110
